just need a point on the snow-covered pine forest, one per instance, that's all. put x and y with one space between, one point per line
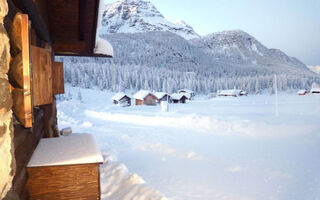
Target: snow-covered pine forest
163 61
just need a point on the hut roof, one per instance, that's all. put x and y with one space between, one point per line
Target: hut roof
119 96
142 94
315 90
50 19
186 91
177 96
229 92
160 95
301 91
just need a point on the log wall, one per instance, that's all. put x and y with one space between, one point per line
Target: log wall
18 140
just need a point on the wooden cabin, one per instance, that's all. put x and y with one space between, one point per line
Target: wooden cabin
178 98
315 91
302 92
32 32
162 96
243 93
121 99
229 93
145 97
188 93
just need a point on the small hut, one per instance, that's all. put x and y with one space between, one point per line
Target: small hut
121 99
145 97
162 96
228 93
243 93
188 93
315 91
178 98
302 92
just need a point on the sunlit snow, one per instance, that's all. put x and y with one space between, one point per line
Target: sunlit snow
206 149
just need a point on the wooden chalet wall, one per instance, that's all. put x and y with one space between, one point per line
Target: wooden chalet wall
34 107
49 27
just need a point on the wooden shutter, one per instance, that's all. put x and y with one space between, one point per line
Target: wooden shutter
19 73
57 78
41 76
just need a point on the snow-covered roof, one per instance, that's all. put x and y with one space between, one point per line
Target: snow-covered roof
119 96
103 47
142 94
177 96
159 95
243 92
67 150
229 92
301 91
186 91
315 90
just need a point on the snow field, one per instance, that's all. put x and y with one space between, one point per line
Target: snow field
222 148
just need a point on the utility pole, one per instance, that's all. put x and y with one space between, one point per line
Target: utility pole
276 96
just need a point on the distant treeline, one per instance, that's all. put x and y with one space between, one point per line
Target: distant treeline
100 72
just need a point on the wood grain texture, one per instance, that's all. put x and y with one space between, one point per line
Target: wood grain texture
41 76
57 78
70 46
19 36
22 106
70 182
16 71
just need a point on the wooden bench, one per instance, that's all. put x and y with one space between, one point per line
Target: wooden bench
65 168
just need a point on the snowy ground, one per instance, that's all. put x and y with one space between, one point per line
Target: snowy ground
223 148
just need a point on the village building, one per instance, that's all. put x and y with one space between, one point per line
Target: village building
315 91
121 99
302 92
179 98
162 96
31 33
243 93
145 97
188 93
230 93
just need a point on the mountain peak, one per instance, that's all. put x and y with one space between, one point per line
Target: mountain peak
132 16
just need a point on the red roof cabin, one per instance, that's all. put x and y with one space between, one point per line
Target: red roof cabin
145 97
302 92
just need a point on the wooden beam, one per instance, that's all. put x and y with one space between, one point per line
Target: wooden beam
41 76
69 46
28 6
20 70
16 71
22 106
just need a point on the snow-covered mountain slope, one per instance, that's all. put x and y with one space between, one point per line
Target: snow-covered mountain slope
315 69
239 47
230 53
163 61
132 16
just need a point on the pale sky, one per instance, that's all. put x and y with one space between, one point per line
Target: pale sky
292 26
